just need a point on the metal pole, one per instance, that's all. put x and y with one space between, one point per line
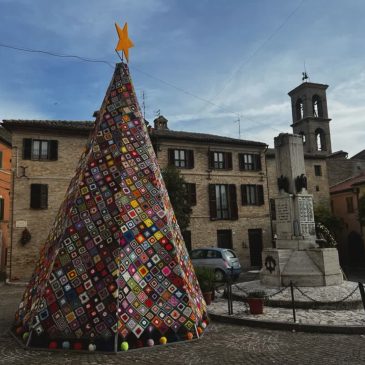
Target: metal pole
362 292
292 300
229 297
230 293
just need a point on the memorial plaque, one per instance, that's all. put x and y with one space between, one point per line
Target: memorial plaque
283 210
305 207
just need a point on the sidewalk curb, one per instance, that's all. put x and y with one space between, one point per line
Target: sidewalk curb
286 326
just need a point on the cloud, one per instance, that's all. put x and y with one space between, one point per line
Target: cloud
11 109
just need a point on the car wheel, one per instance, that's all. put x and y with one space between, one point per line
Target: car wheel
219 275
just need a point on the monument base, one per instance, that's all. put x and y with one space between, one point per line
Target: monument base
308 267
296 244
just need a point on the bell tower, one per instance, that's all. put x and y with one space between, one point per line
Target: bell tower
310 117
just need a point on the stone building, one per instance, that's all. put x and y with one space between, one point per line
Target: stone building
226 178
232 182
345 197
44 157
341 167
228 181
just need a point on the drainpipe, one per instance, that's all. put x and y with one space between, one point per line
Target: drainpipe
14 173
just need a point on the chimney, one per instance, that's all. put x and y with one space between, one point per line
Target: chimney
160 123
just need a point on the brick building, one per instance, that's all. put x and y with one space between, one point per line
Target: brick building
229 182
44 156
226 176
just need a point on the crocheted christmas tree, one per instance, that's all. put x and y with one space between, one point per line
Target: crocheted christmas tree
114 268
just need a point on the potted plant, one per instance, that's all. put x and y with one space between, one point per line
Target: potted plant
206 278
255 300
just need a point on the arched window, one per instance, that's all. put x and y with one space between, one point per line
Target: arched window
302 134
317 106
299 109
320 139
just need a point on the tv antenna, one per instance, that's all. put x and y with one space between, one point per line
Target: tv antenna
239 126
144 104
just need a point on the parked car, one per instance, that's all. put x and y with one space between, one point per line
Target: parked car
224 261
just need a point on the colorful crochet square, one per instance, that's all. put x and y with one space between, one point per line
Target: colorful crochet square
114 267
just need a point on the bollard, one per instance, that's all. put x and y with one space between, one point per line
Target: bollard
362 292
229 297
292 300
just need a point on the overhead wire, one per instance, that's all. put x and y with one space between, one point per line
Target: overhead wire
55 54
85 59
253 54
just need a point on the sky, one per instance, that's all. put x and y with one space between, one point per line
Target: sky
202 64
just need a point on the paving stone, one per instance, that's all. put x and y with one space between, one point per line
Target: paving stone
222 344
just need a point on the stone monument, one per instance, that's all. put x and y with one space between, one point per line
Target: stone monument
297 257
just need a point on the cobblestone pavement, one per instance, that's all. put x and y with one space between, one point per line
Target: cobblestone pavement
343 318
223 344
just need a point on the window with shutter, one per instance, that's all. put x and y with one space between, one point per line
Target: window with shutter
220 160
318 170
1 159
39 196
250 161
252 194
182 159
39 149
190 193
223 202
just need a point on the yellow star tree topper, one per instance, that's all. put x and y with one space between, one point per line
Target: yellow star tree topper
124 42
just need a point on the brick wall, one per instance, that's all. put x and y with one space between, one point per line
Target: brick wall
57 175
203 229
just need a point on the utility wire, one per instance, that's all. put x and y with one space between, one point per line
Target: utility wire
55 54
258 49
84 59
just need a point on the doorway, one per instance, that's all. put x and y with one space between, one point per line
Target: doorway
255 242
224 238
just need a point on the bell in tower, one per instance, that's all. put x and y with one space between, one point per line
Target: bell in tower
310 117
